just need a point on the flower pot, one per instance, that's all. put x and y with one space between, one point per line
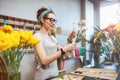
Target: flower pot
108 65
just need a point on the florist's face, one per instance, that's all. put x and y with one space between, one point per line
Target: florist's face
49 21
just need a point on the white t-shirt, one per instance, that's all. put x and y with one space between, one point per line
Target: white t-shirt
50 70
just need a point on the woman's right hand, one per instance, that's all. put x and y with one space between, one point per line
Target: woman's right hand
69 47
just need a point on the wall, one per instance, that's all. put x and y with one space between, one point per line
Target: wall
67 11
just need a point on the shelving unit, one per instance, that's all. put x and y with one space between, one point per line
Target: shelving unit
19 23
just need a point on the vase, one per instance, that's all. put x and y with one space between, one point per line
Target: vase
14 69
4 75
15 76
108 65
13 58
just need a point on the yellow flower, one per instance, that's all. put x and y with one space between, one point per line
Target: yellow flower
33 41
4 41
53 31
3 46
95 40
25 35
98 34
2 35
12 46
10 38
117 26
7 28
15 37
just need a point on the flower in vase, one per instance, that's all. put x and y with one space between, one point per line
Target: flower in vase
109 39
12 46
81 31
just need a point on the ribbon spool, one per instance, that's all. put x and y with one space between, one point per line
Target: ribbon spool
81 49
77 52
4 21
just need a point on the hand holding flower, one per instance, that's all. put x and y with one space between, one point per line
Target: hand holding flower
68 48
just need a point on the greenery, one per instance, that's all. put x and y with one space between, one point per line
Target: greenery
81 32
106 42
95 47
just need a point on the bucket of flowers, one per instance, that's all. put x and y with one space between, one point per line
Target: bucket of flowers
12 47
108 42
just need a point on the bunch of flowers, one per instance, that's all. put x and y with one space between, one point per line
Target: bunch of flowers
12 46
109 41
81 34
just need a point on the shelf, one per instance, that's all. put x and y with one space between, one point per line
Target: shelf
19 23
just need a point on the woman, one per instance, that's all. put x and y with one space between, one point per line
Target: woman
48 50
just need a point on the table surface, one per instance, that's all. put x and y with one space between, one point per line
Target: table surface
113 66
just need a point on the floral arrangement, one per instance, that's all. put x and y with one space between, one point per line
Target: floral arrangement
81 34
12 46
108 41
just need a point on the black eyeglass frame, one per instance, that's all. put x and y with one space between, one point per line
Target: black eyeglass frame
51 19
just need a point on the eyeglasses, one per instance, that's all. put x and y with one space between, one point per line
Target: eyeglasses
51 19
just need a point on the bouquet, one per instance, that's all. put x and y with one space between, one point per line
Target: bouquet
109 39
12 47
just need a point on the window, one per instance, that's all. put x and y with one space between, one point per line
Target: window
109 14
